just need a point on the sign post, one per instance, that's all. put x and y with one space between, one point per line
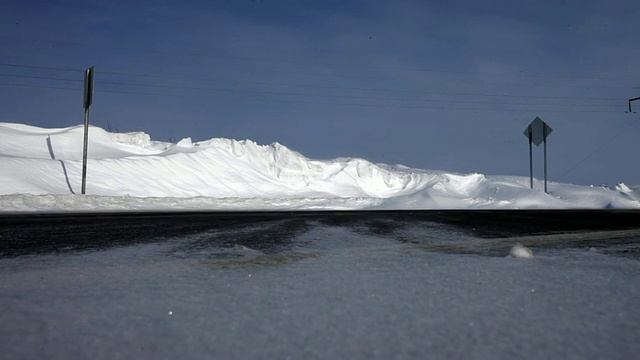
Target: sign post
88 99
530 157
544 136
537 133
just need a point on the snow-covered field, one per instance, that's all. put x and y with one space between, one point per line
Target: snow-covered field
41 171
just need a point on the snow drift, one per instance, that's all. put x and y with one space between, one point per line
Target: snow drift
41 170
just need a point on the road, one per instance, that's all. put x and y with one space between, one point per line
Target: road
22 234
318 285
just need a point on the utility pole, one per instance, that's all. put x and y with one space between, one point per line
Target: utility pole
88 99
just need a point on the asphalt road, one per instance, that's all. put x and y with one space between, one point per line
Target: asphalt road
320 285
22 234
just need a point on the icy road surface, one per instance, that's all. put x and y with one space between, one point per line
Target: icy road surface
321 289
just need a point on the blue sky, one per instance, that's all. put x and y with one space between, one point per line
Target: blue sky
443 85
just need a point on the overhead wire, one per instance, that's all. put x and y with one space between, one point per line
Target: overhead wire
352 75
263 83
334 96
596 150
311 86
40 67
179 87
40 77
343 104
39 86
479 82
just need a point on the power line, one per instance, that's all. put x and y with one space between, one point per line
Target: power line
339 96
309 85
298 85
624 129
339 104
176 87
349 88
39 86
484 83
40 67
393 106
351 75
40 77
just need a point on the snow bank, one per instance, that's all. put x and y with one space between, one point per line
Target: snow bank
41 170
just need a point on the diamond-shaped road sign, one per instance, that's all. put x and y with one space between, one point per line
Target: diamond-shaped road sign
538 130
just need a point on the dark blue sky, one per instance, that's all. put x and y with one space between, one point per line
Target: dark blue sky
444 85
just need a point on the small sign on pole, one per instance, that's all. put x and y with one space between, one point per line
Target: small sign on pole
537 132
88 99
88 87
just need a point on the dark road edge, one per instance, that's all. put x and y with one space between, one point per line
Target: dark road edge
47 233
628 218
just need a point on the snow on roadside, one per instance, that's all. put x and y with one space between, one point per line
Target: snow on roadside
41 171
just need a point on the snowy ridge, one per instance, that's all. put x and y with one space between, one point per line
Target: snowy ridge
41 170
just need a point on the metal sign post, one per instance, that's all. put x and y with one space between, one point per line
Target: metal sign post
544 136
530 157
537 133
88 99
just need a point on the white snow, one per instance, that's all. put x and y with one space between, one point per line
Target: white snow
520 251
41 171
